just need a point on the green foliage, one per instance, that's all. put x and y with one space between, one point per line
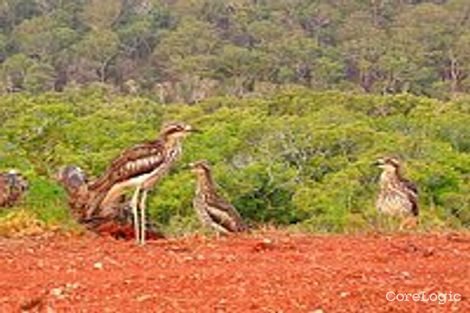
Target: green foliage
298 158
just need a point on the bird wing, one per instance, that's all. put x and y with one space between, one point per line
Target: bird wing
410 186
132 162
411 191
224 213
21 183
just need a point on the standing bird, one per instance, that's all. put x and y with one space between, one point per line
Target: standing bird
13 186
398 196
213 210
140 167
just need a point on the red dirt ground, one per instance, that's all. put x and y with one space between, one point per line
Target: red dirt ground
264 272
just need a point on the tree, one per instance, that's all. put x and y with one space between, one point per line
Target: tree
14 71
43 37
39 78
97 51
186 50
101 14
363 44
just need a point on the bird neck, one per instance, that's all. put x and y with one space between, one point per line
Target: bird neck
205 183
172 143
389 177
173 150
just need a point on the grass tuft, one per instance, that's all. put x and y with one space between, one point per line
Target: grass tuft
21 223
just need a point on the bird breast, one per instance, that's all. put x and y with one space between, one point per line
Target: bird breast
200 205
394 202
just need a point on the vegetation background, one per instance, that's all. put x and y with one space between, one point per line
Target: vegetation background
296 100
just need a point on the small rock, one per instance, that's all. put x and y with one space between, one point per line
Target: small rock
98 265
49 309
318 311
265 244
344 294
57 292
35 303
143 298
71 286
428 252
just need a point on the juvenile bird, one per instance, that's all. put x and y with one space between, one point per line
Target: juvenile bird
117 222
74 180
397 196
13 187
214 211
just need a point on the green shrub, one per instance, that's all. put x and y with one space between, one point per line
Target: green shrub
298 158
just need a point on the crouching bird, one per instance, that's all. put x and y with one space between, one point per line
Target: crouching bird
13 187
214 211
397 196
74 180
140 167
117 223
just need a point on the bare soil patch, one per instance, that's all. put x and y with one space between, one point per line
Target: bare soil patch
263 272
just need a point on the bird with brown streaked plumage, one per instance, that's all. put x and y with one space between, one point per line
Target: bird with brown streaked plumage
139 167
397 196
13 187
214 211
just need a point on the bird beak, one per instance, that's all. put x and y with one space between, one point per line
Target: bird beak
378 163
188 166
193 130
57 176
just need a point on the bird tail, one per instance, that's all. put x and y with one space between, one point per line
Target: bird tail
243 227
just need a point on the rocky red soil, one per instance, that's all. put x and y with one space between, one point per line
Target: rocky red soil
264 272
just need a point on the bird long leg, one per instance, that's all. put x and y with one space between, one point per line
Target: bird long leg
134 204
382 223
385 223
143 200
409 222
388 224
403 224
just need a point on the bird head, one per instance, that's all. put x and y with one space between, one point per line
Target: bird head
200 167
71 177
177 130
390 164
16 180
11 176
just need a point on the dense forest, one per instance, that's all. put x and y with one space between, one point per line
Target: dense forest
186 51
298 158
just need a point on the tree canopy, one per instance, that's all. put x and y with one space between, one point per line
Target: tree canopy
190 50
